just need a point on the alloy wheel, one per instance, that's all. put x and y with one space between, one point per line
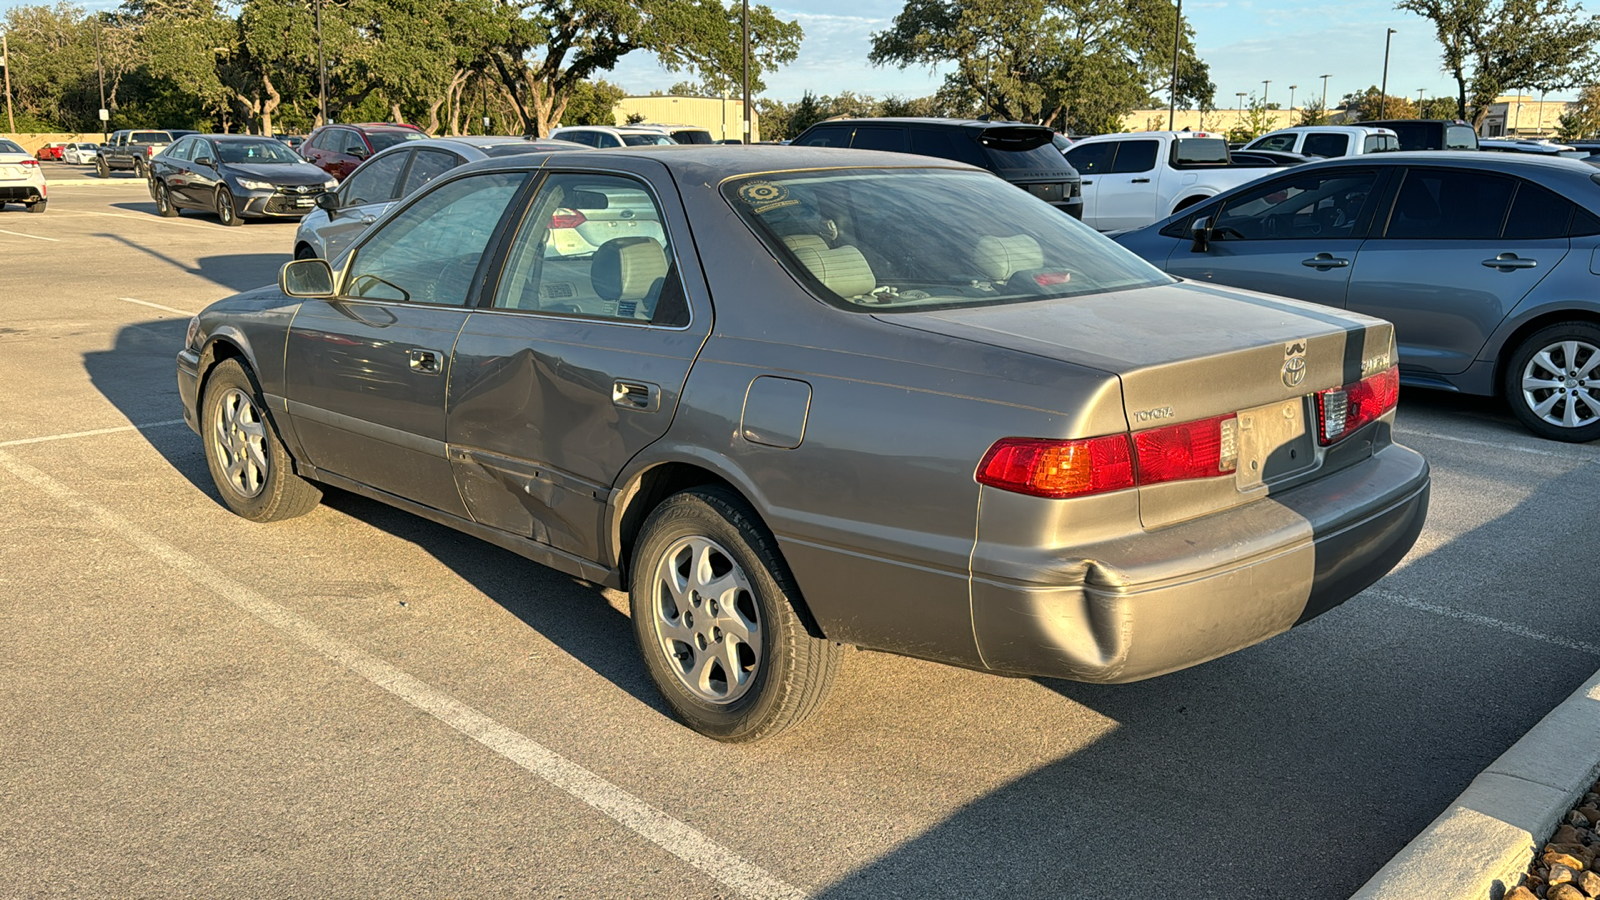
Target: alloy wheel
706 619
1560 384
239 439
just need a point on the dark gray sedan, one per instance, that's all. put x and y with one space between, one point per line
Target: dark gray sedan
805 398
235 176
1486 263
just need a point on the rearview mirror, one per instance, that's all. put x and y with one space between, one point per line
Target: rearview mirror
1200 231
306 278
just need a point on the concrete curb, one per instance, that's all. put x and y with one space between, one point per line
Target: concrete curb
1479 848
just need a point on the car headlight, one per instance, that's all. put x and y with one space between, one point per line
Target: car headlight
249 185
191 338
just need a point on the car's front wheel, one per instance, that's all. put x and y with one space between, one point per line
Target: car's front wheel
101 168
304 251
714 610
248 463
1553 382
164 206
227 210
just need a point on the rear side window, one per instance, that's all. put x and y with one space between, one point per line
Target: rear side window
1584 223
880 137
428 165
946 143
826 136
1537 214
1416 135
1450 205
1326 144
1283 142
383 140
181 149
375 181
1092 159
1135 156
693 136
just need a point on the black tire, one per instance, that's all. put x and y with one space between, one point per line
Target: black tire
140 169
1557 387
304 251
38 207
227 208
164 206
788 676
249 465
100 167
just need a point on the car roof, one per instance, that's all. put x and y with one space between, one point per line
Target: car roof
1470 158
928 120
713 162
1341 128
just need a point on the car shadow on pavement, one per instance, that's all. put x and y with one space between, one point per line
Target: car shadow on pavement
235 271
572 614
148 207
1295 768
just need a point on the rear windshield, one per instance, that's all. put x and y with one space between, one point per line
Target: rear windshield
383 140
875 240
646 140
150 137
1380 143
693 136
1017 150
1199 151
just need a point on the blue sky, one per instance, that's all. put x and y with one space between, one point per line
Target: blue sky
1244 41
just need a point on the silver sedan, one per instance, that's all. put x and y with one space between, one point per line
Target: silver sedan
801 398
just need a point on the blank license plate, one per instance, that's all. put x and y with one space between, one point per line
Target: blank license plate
1273 443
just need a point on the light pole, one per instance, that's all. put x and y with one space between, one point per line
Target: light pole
1325 94
1292 89
103 114
1383 92
1238 110
1264 85
1177 35
745 20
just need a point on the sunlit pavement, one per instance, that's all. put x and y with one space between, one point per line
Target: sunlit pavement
361 703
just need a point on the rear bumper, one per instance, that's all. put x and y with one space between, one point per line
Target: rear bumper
1130 609
21 193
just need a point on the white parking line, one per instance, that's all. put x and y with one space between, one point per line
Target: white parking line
164 222
181 312
665 831
1474 618
1404 432
80 434
34 236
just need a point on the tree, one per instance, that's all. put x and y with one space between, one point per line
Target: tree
593 103
1371 104
1082 63
1256 121
1312 113
1492 46
1582 118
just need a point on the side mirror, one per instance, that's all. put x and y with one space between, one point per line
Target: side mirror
204 161
306 278
1200 231
357 152
327 201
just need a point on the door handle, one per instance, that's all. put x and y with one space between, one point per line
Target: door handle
1086 182
1325 261
1505 262
425 362
639 395
1140 181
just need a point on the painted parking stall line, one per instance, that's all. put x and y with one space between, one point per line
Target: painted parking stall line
181 312
34 236
45 439
1486 621
665 831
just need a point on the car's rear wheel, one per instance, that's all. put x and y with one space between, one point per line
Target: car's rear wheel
101 168
139 168
714 611
164 205
1553 382
38 206
248 463
227 210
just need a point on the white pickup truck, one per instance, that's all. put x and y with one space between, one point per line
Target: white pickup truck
1131 180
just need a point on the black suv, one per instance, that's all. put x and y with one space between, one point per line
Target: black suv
1020 153
1430 134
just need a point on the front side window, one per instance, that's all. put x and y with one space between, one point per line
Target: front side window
375 181
353 144
430 252
1325 203
594 246
1326 144
1450 205
873 240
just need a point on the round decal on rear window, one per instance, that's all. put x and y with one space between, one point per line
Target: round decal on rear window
764 196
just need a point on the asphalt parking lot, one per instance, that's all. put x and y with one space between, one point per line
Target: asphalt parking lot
362 703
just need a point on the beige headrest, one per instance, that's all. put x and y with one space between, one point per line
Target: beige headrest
628 268
997 258
842 270
808 241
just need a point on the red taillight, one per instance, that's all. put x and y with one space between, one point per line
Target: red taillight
1202 449
1061 469
1058 469
28 162
1045 279
567 218
1342 410
149 152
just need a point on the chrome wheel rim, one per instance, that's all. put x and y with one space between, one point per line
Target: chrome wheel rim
1560 384
239 437
225 207
706 620
161 198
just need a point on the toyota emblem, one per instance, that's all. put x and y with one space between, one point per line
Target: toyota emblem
1294 363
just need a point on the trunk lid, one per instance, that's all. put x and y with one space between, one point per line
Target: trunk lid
1188 352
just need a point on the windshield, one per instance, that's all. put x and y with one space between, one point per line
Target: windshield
646 140
383 140
879 240
253 152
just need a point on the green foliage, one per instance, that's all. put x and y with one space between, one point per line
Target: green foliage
1312 113
1490 47
1582 119
1371 104
593 103
1076 63
1256 121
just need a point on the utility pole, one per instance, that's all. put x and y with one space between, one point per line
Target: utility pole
745 27
322 71
5 61
1383 92
1419 101
1177 35
104 114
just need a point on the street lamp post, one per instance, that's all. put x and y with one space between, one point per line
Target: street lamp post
746 28
1325 93
1419 101
1177 35
1292 89
1238 110
1383 92
103 114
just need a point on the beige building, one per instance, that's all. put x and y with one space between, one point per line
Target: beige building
1219 120
724 118
1519 115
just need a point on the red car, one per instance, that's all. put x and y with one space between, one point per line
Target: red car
49 151
339 149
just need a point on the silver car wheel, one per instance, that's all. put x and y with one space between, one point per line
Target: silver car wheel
706 620
239 439
1560 384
